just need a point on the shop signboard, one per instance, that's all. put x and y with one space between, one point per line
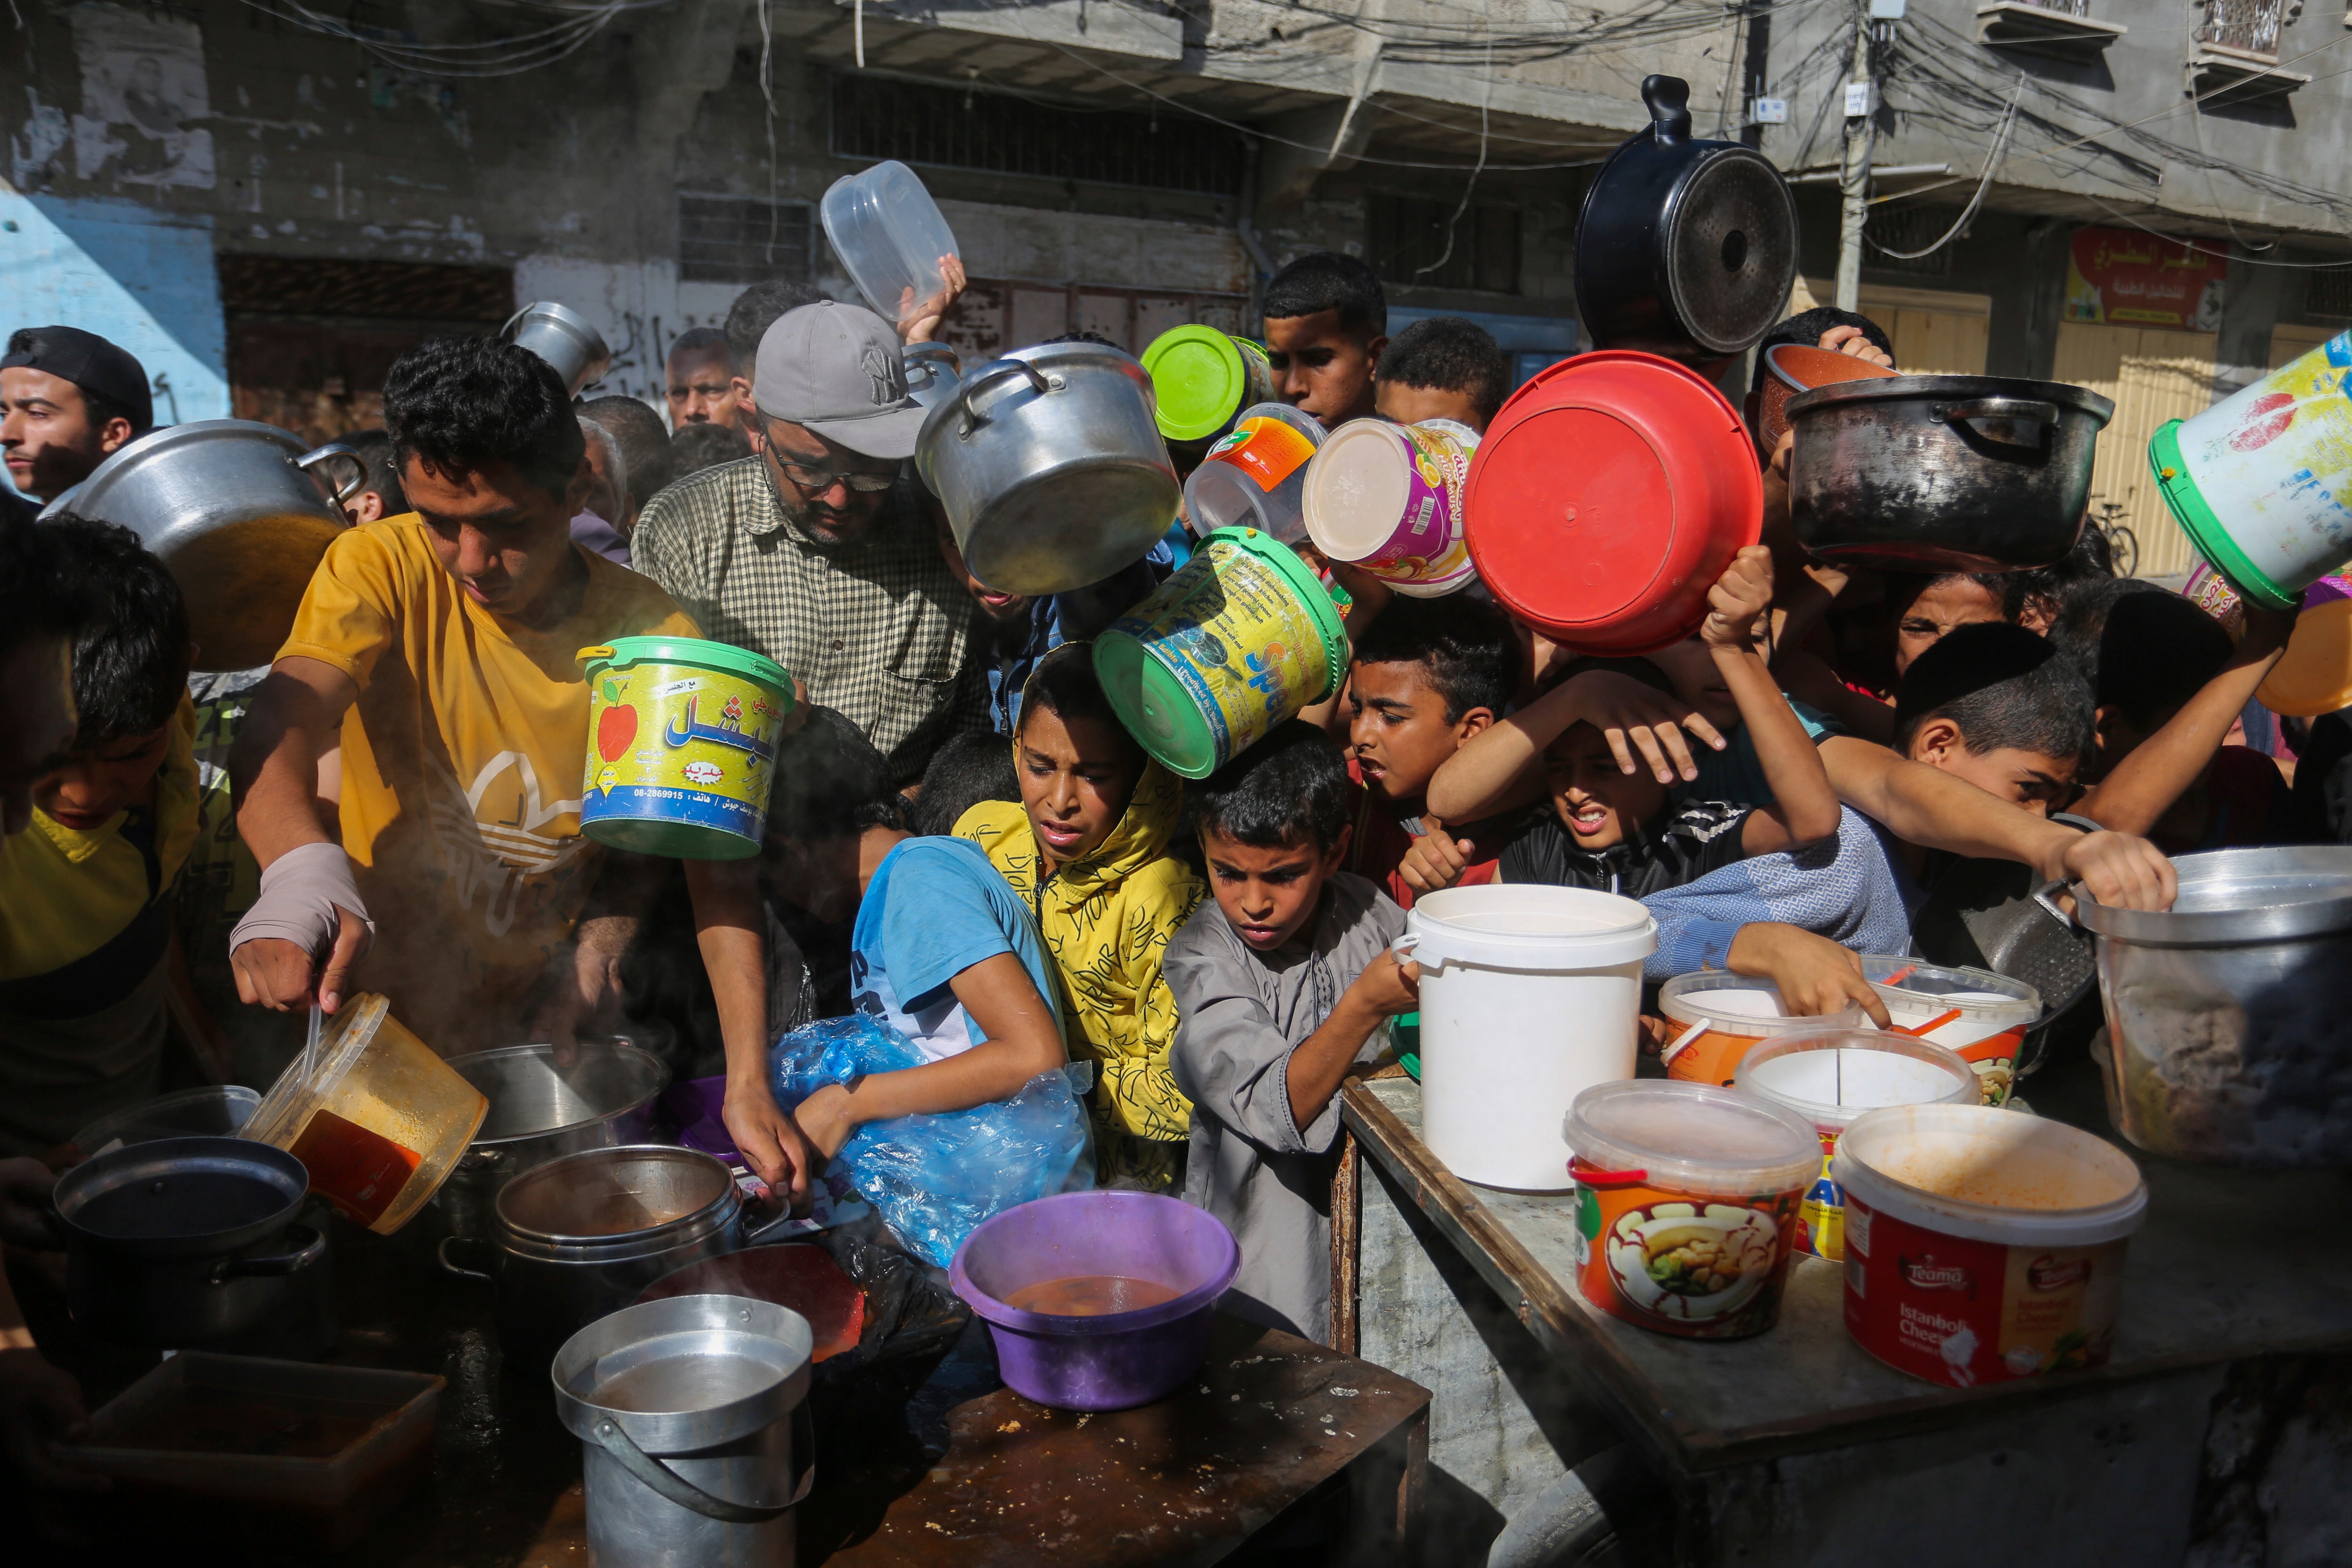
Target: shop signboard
2130 276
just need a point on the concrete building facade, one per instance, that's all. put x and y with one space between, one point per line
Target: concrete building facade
268 202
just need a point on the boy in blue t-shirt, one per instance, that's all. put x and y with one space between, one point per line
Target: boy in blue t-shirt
942 949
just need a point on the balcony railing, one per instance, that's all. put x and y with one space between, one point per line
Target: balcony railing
2064 7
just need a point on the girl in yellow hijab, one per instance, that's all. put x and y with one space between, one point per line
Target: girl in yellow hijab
1087 848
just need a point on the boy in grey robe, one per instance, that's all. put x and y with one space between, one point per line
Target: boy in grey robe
1284 982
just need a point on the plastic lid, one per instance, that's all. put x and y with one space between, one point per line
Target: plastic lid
1984 1174
1197 380
1832 1076
622 652
1740 1004
1359 487
1919 990
1693 1138
1527 927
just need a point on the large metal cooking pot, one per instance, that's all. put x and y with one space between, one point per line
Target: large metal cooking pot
542 1110
183 1241
695 1431
229 505
1955 473
1050 466
582 1236
2226 1037
1685 247
564 339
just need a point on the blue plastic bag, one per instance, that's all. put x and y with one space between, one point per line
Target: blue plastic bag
936 1178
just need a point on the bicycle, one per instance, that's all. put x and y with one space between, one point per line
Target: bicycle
2123 544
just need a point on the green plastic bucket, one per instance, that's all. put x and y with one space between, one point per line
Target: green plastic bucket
1238 641
1202 379
682 737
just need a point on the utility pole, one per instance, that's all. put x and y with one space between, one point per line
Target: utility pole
1853 180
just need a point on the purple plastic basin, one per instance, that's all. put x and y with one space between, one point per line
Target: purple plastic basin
1120 1359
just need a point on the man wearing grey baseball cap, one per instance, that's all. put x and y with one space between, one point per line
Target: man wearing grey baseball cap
814 551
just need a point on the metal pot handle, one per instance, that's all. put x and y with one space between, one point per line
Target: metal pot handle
2042 895
343 492
669 1484
505 333
996 375
457 1271
278 1264
2027 408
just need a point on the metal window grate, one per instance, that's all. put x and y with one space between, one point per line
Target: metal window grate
2252 25
972 127
2328 292
741 240
2068 7
1405 234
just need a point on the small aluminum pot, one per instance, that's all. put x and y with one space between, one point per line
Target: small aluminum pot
183 1241
1950 473
580 1236
1050 466
564 339
541 1111
230 506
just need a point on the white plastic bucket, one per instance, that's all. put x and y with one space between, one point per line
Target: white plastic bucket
1981 1015
1982 1246
1254 476
2262 482
1530 995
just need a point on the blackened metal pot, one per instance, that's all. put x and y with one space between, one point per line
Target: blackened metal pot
1954 473
1685 247
183 1241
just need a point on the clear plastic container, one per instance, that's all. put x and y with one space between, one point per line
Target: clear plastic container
889 235
1687 1202
210 1112
1256 475
380 1121
1980 1014
1718 1017
1828 1078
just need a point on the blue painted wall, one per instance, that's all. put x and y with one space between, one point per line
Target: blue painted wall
142 277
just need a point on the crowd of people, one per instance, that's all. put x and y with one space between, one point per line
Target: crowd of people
963 840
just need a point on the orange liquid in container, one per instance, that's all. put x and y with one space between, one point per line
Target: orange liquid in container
1090 1295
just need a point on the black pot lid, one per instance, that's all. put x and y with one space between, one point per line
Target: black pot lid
1731 249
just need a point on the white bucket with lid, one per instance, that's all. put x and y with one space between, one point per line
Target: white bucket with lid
1830 1076
1983 1246
1530 995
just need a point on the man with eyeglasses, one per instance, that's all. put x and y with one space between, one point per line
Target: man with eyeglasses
816 554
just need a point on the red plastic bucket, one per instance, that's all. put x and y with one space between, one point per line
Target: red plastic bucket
1608 496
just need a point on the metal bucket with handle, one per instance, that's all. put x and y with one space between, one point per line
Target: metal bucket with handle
693 1419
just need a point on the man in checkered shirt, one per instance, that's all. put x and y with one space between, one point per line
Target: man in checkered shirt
816 552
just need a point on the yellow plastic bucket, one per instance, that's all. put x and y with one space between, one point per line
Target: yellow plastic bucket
682 736
1238 641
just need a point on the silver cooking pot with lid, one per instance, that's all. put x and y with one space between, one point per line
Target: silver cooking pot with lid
230 506
2225 1038
542 1109
1050 466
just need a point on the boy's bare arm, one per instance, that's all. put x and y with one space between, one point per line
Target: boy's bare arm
2141 788
1493 768
1928 807
296 716
1321 1063
1023 1040
1805 808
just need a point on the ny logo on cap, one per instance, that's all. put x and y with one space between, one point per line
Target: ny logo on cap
884 371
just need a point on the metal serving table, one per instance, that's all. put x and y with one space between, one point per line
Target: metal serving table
2219 1432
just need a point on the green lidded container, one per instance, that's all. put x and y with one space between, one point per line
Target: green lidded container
1241 640
682 735
1202 379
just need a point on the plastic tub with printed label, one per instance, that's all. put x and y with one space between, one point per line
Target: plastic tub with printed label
1717 1018
1981 1015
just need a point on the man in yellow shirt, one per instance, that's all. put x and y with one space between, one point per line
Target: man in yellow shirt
441 646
